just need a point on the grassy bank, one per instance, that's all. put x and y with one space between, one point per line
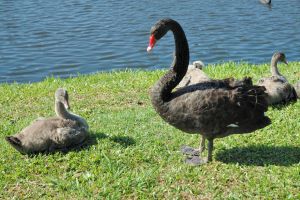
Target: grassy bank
135 154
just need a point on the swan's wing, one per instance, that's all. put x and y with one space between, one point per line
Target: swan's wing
279 91
262 81
68 136
242 107
36 136
288 93
184 82
193 76
232 83
216 109
198 76
279 79
272 80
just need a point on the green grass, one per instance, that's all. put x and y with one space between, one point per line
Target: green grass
135 154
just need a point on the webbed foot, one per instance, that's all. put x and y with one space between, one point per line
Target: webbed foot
195 160
186 150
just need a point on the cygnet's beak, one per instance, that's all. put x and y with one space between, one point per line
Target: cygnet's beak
67 105
285 62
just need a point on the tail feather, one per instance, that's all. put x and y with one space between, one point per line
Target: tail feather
255 96
293 95
13 141
248 94
234 83
252 125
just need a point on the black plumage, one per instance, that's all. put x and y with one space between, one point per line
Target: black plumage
215 108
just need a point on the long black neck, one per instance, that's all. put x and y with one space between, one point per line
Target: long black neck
161 91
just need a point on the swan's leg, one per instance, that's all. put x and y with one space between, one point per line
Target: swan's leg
202 145
210 149
194 152
196 159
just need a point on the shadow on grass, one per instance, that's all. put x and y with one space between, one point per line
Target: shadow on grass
125 141
94 138
260 155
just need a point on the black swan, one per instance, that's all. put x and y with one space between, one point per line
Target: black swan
215 108
194 75
278 88
52 134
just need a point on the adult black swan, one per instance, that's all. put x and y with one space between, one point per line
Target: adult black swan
215 108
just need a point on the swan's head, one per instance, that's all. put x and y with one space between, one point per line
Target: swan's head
280 57
158 31
198 64
61 95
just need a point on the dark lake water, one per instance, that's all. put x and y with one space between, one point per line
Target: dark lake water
40 38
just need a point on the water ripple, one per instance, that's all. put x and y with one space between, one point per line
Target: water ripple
63 38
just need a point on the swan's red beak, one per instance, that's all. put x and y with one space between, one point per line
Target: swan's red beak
152 42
